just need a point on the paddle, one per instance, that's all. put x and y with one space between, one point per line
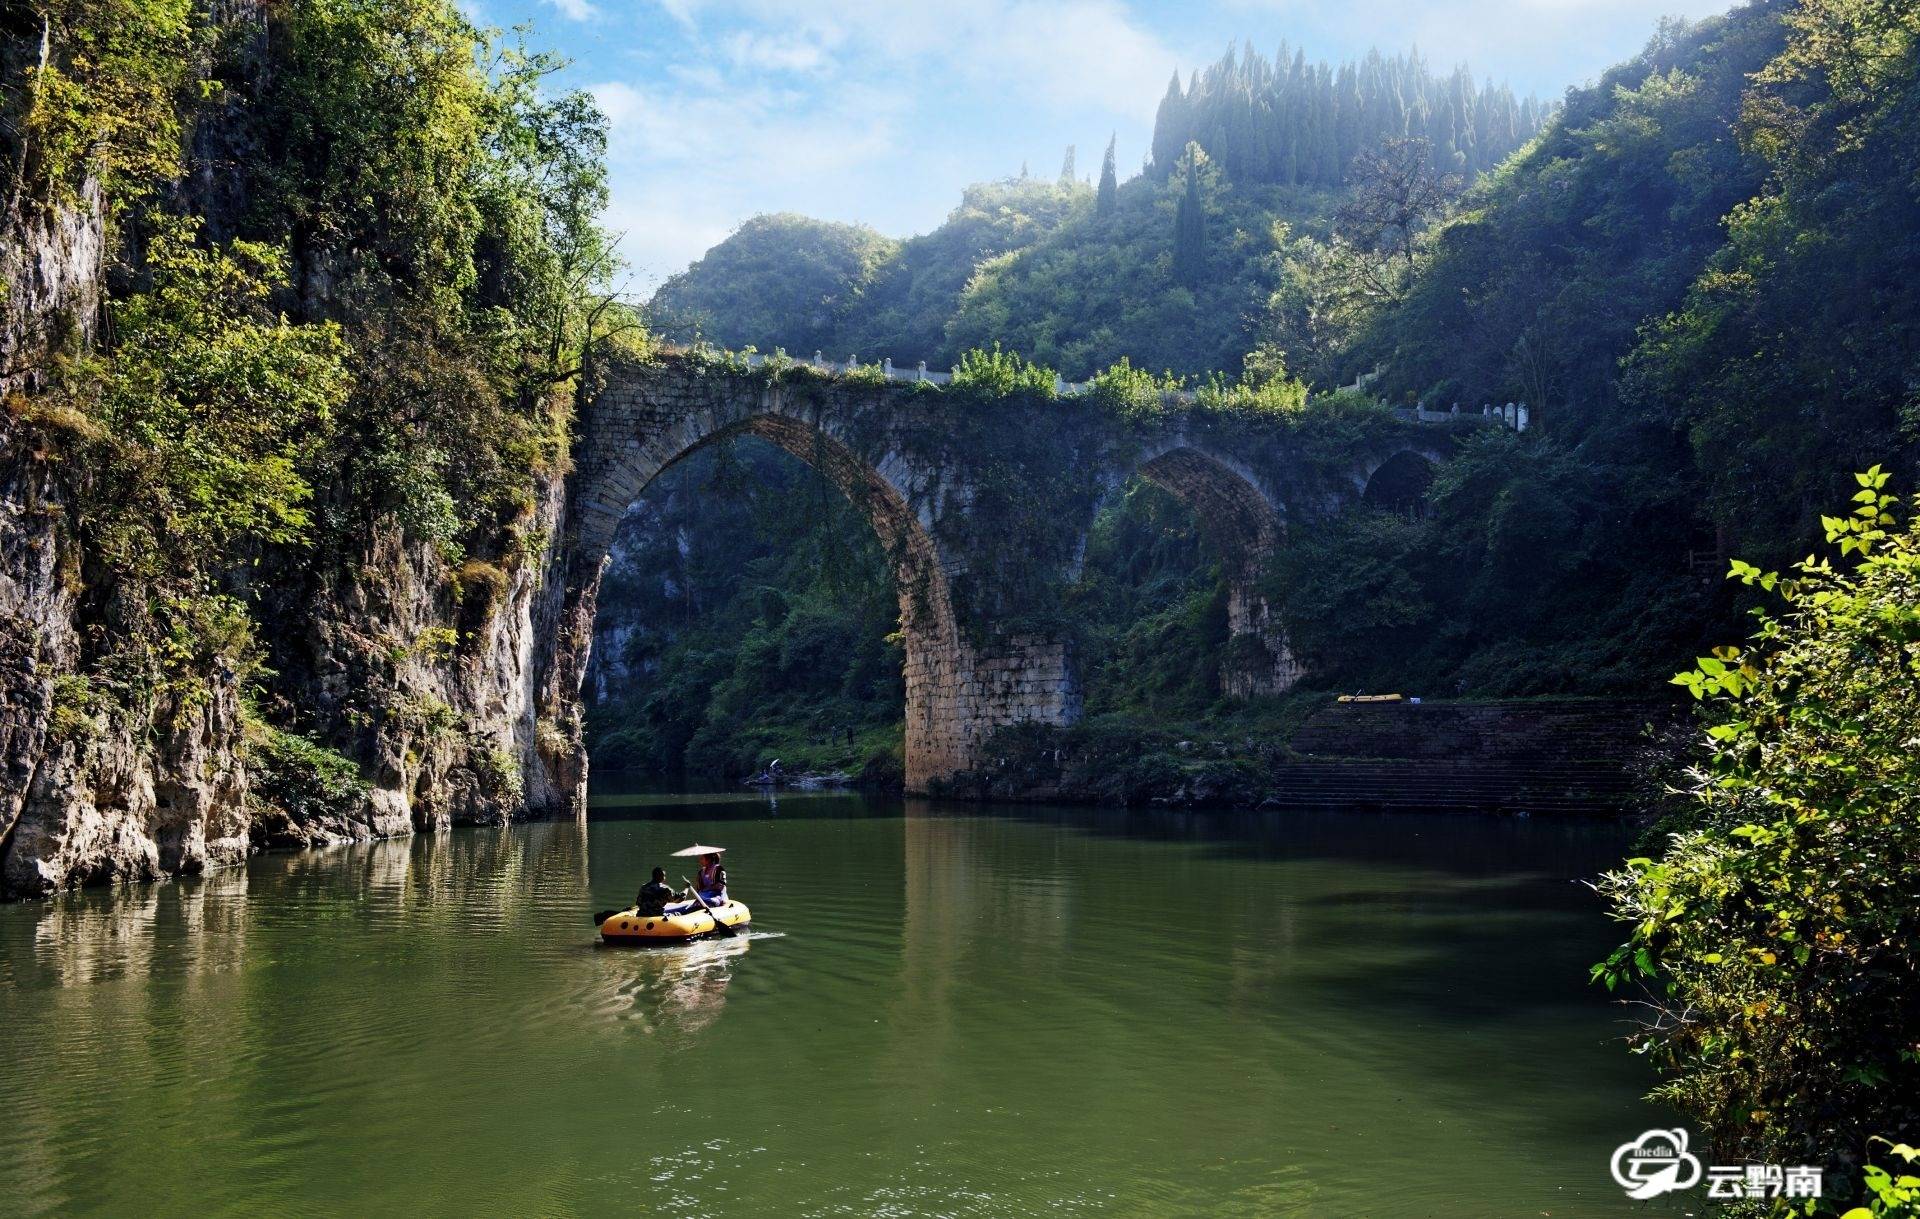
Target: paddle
719 926
602 916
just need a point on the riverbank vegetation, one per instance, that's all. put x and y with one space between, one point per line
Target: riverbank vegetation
1774 932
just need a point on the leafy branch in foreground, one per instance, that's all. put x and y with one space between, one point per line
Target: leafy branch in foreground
1775 940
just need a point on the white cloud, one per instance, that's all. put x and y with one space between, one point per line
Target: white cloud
575 10
1088 53
1061 53
855 109
774 52
689 165
683 11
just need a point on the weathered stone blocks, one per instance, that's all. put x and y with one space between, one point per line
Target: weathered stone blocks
918 476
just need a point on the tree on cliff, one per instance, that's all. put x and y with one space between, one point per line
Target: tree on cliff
1109 194
1397 193
1190 223
1068 174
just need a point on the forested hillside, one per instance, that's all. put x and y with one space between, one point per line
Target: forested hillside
1168 269
1290 122
1701 278
1703 281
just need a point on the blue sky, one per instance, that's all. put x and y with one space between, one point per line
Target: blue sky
879 111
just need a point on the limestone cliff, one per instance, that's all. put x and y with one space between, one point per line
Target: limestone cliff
432 687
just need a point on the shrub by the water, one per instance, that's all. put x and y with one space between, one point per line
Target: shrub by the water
1777 938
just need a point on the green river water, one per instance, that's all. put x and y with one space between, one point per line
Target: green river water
941 1011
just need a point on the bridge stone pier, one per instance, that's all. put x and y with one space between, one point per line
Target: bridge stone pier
982 506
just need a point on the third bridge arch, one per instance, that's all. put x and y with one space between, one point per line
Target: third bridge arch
982 504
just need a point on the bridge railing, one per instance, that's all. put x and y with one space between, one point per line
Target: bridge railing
1512 414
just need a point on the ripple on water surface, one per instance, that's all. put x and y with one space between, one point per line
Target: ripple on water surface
935 1013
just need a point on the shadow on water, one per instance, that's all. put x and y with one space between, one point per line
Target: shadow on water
1466 843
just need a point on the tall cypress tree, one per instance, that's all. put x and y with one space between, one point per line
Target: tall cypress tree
1190 224
1109 196
1286 120
1067 175
1169 127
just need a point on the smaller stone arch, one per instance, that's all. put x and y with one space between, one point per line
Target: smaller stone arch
1400 483
1243 522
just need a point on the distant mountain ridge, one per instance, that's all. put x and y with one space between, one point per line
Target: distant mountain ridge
1046 268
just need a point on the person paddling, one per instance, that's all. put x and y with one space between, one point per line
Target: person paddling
654 895
711 883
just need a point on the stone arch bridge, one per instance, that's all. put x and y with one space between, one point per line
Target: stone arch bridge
983 505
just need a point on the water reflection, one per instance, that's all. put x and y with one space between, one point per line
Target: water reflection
675 990
940 1009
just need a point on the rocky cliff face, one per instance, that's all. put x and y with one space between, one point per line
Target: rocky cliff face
460 733
80 799
432 687
436 688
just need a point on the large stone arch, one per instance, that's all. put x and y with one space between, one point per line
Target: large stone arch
960 685
979 501
1244 520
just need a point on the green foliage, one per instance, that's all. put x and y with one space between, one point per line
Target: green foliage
1132 392
444 201
806 285
1035 266
1190 221
423 716
1700 279
1107 197
1793 353
499 772
1000 374
1150 611
76 709
105 101
302 777
1538 285
1290 122
208 407
1890 1196
1099 290
1776 932
1323 302
776 281
437 642
1269 399
1482 583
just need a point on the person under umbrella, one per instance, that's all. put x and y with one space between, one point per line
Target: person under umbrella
710 883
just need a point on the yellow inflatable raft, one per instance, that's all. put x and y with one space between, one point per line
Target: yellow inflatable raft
629 927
